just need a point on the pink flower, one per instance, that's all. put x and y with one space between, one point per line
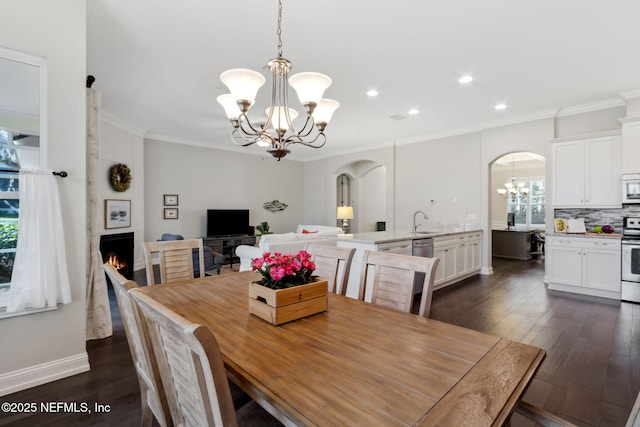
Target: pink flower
283 270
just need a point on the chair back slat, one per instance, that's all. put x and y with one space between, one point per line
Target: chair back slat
191 367
334 264
175 259
393 278
151 390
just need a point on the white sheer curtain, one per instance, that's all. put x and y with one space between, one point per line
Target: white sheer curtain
40 277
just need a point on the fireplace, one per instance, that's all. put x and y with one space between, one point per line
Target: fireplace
117 250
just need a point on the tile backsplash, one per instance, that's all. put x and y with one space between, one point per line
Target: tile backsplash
593 217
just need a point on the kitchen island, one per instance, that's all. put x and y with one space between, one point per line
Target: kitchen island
459 252
515 242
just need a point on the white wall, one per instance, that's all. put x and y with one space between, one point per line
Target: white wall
119 144
370 204
589 122
213 179
444 170
46 346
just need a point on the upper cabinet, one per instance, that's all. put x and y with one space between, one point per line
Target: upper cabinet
631 146
586 172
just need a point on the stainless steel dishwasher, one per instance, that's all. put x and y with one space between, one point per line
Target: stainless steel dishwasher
423 248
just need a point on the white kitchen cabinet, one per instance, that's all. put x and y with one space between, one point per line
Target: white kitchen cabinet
473 252
460 257
586 265
586 173
402 247
631 146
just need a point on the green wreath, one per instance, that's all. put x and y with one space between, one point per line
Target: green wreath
120 177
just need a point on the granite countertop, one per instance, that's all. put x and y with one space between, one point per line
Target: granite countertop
376 237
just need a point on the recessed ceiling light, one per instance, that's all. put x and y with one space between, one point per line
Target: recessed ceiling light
500 106
465 79
413 111
372 93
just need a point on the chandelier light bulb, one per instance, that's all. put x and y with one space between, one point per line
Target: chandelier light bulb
230 106
310 86
242 83
324 111
279 118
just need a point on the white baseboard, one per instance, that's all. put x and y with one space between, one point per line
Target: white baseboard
486 271
32 376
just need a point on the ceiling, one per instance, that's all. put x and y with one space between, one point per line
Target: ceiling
157 63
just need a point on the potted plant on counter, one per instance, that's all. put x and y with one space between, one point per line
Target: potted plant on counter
288 290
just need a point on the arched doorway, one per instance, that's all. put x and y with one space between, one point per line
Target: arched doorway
517 196
518 186
362 185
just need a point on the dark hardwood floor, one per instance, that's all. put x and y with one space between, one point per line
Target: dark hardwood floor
591 375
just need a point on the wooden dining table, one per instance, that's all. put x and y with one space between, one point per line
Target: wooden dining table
357 363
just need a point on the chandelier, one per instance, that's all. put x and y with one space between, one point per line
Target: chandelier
513 188
276 133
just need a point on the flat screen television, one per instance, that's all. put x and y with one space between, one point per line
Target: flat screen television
227 222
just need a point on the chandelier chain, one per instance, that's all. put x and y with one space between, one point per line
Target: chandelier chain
279 28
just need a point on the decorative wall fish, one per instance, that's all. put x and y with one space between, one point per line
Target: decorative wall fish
275 206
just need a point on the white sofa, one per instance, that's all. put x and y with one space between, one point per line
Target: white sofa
287 242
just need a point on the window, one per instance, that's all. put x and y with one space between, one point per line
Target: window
9 209
529 208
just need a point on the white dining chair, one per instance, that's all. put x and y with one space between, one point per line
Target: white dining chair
153 401
333 264
392 278
175 259
193 372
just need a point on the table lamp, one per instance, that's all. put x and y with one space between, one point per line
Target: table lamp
345 213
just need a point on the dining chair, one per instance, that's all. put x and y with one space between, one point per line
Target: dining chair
334 264
393 277
193 372
175 259
153 401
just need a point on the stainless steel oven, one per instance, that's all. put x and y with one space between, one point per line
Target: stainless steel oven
630 274
630 188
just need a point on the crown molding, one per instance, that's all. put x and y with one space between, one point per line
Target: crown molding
590 107
116 121
630 94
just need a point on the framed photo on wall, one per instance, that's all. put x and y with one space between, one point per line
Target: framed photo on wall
117 213
170 213
171 200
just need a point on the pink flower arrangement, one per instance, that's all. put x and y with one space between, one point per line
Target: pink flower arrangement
281 271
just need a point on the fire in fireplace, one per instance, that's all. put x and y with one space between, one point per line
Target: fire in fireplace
117 250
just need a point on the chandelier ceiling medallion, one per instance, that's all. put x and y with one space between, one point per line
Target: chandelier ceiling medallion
276 133
513 187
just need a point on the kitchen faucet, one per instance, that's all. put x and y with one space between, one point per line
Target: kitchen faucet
415 227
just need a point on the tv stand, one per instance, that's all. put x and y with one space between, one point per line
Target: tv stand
226 245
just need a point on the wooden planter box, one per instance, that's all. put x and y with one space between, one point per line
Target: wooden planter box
278 306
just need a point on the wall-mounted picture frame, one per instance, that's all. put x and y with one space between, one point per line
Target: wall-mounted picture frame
171 200
117 213
170 213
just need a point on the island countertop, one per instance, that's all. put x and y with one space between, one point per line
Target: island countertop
377 237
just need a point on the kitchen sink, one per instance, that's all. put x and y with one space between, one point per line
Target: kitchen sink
426 233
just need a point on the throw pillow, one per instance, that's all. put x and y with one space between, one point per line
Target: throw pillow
305 231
